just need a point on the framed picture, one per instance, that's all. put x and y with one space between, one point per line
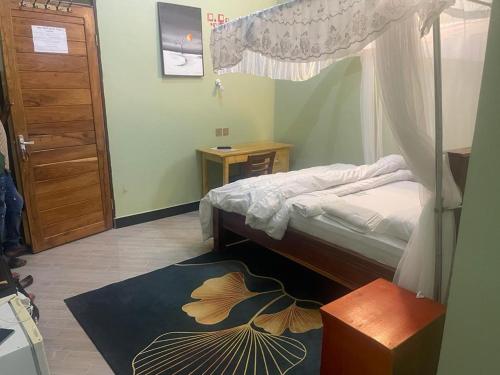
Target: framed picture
181 40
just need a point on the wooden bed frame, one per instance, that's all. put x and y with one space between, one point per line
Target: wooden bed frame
344 266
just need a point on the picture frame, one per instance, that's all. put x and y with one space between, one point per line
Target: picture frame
181 40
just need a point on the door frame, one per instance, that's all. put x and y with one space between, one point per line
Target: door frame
13 93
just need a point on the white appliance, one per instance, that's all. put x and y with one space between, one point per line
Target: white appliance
23 352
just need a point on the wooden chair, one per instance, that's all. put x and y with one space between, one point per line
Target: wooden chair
258 165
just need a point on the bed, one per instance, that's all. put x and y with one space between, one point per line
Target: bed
330 246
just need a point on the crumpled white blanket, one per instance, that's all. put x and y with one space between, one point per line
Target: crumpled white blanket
310 205
263 199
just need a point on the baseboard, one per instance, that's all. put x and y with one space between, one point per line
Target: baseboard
145 217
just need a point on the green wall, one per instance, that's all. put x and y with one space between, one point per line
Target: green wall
155 123
321 117
472 332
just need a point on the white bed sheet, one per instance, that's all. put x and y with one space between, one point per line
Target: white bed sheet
398 202
379 247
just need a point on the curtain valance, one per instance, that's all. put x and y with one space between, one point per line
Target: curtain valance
297 39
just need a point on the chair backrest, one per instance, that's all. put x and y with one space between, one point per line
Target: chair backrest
258 165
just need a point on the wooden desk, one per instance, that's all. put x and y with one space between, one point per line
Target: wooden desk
240 154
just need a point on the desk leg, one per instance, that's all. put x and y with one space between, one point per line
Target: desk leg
225 172
204 176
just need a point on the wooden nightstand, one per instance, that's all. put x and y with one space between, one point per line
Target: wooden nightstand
459 164
381 329
239 154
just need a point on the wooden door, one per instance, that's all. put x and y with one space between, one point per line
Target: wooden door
57 104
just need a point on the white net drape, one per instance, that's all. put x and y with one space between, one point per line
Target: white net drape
464 33
372 115
394 96
464 36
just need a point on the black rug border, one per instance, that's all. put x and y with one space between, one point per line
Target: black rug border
89 336
67 301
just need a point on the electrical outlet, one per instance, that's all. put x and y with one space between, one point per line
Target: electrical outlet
225 132
218 132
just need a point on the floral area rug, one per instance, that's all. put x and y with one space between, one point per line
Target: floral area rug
244 311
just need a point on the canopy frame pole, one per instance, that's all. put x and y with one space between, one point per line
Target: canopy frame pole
438 97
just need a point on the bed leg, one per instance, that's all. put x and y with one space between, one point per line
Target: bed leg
220 234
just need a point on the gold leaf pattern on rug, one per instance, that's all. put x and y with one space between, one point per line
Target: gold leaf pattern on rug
243 349
238 350
296 319
217 297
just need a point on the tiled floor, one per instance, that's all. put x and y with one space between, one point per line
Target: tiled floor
93 263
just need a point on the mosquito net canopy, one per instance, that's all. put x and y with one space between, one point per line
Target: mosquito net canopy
296 40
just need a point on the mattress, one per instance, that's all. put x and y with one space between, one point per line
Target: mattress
381 248
398 202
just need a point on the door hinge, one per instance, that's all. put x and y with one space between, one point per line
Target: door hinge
97 40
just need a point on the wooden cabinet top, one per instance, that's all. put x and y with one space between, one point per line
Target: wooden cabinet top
246 149
460 152
383 311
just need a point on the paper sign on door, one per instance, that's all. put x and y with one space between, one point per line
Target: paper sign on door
48 39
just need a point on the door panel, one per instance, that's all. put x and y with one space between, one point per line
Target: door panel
34 62
55 128
69 212
71 235
54 80
48 16
58 105
35 115
75 223
60 155
64 140
22 27
56 199
70 183
65 169
53 97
